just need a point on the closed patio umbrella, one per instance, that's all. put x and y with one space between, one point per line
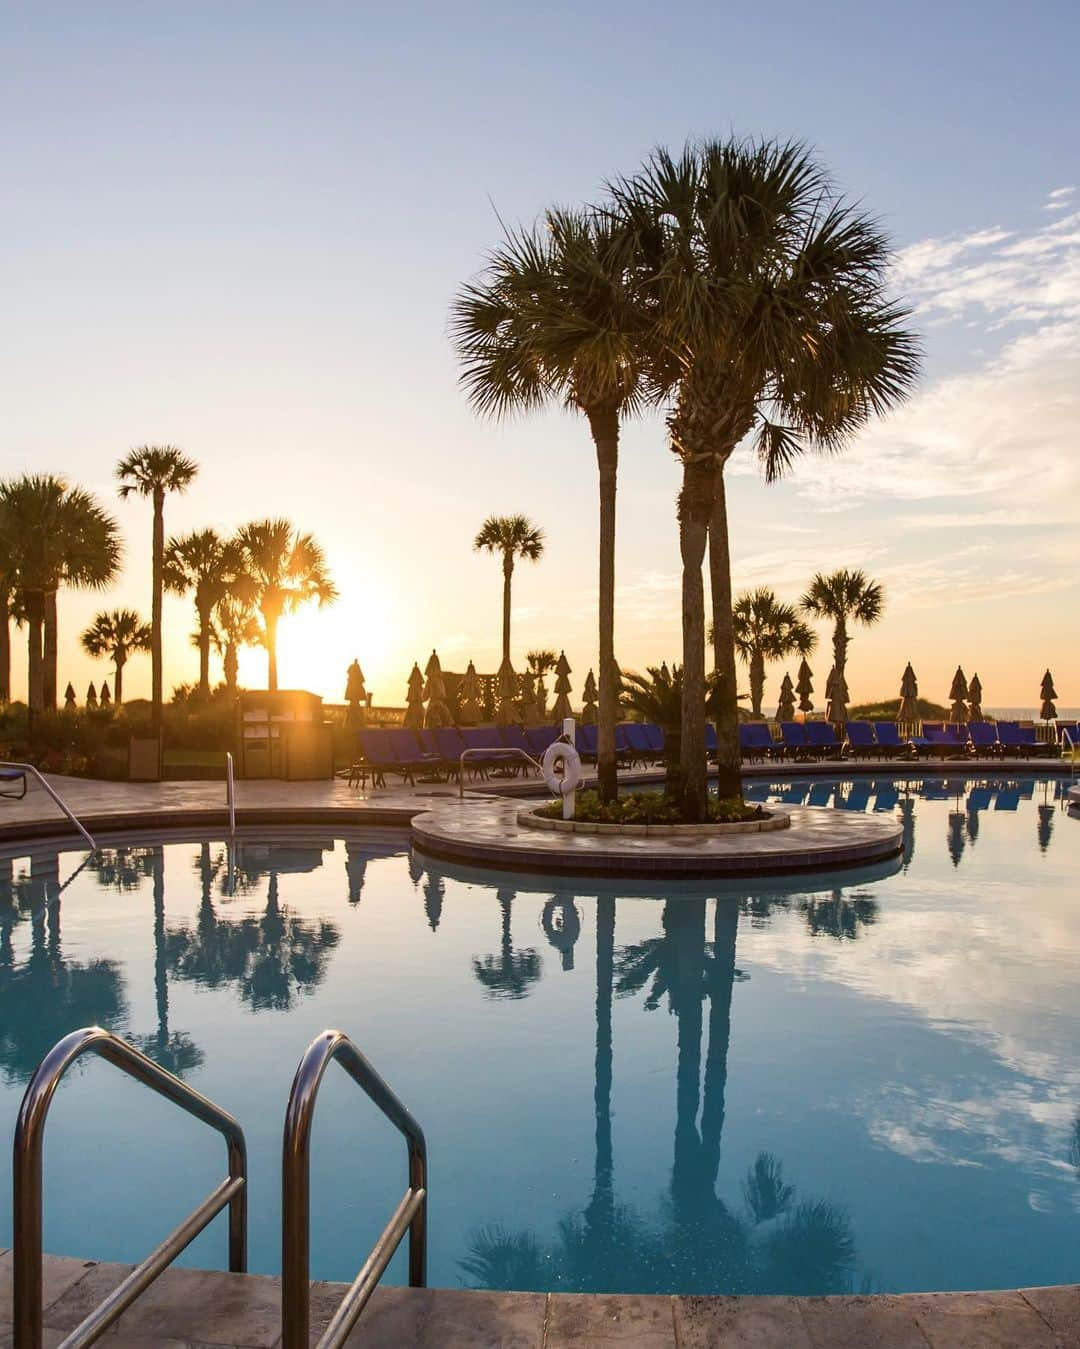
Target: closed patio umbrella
785 710
508 690
958 693
355 694
469 697
414 702
562 706
836 693
1048 693
590 697
438 714
909 695
975 712
804 687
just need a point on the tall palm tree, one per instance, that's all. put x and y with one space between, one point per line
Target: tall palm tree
844 597
770 319
512 536
51 533
208 565
287 569
9 613
154 471
118 634
554 318
764 629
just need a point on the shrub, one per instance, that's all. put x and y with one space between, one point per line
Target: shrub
650 808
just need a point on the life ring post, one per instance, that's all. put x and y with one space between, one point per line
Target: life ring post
569 801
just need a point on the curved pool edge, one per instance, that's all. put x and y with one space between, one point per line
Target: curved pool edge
489 833
214 1308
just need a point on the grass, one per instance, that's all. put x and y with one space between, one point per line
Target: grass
649 808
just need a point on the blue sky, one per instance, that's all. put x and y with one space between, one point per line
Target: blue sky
238 228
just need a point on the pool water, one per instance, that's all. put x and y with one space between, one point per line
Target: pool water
861 1081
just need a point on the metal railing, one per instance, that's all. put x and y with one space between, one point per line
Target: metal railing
230 791
494 755
409 1216
1073 748
29 1147
29 768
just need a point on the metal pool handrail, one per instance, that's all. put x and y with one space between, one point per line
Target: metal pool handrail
496 750
1067 739
27 1201
409 1216
29 768
230 792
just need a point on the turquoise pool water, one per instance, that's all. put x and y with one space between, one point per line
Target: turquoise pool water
867 1080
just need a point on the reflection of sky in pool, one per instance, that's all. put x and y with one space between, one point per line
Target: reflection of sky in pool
618 1090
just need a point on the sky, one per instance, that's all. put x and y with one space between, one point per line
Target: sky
238 228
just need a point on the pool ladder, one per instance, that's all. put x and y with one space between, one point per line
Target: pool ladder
409 1216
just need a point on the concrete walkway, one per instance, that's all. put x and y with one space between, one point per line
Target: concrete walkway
203 1309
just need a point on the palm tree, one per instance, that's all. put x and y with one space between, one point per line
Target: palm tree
51 534
764 630
844 596
233 626
513 536
117 634
207 564
541 663
769 318
8 613
153 471
287 569
657 697
554 319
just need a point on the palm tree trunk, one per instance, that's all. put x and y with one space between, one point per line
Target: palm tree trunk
270 623
508 572
158 560
50 644
35 619
231 662
204 650
695 508
5 645
118 679
600 1209
721 983
604 424
685 926
757 682
840 645
728 757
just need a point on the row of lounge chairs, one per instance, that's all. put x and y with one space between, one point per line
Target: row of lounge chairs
502 749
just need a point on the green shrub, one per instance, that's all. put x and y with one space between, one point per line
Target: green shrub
649 808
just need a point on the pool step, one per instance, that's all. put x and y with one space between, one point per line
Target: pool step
243 1311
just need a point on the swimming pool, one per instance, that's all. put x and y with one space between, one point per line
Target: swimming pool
866 1080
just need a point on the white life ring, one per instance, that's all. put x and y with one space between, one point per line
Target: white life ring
560 751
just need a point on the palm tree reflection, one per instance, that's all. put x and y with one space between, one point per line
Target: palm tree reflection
510 973
562 927
697 1243
46 996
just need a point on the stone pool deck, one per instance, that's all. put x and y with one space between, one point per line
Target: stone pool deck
204 1309
489 832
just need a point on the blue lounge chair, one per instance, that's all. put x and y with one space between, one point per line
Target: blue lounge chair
794 794
623 751
1021 741
793 740
887 797
637 739
12 775
889 741
821 794
712 745
448 746
979 798
861 740
514 737
1008 797
490 754
540 737
378 756
586 738
656 738
940 740
404 744
983 738
755 740
822 740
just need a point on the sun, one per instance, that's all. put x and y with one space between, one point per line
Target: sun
315 647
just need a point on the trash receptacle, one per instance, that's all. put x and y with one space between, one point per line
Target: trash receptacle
268 722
